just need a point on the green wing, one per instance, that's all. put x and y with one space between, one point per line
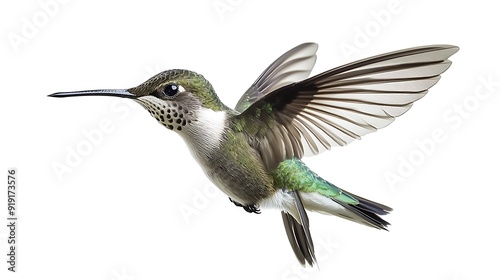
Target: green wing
339 105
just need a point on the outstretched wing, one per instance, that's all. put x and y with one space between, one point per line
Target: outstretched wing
342 104
294 65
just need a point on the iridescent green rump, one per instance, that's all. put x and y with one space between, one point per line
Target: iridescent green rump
293 174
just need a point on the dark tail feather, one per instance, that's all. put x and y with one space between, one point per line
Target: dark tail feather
369 211
298 234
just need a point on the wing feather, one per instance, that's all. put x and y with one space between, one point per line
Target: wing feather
294 65
341 104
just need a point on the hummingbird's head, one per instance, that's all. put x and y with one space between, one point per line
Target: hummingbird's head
175 98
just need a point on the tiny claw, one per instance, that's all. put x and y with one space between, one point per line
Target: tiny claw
250 208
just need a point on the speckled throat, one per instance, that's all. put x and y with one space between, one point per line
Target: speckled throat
170 114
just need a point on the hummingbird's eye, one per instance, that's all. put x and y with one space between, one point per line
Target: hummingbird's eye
171 90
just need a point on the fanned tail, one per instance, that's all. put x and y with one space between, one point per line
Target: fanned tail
305 190
296 222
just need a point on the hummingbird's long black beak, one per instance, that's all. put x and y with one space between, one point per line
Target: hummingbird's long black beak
96 92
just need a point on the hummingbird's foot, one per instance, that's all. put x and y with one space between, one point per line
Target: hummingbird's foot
250 208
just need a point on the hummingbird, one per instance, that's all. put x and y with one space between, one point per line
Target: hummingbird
253 152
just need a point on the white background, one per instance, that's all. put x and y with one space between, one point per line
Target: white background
137 206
